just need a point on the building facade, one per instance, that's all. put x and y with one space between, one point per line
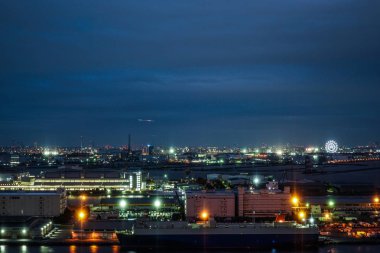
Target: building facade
264 202
36 203
244 203
214 204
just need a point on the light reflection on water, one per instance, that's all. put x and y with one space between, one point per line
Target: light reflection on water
117 249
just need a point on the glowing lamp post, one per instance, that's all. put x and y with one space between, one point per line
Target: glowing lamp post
81 217
376 202
123 204
204 215
295 201
302 216
157 203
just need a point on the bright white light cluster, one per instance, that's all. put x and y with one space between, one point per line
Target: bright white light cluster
331 146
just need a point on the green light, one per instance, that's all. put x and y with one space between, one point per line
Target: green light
331 203
157 203
23 231
123 203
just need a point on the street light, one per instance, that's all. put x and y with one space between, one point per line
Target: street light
376 200
123 204
295 200
331 203
81 215
204 215
157 203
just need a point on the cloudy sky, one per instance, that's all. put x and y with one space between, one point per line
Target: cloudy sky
189 72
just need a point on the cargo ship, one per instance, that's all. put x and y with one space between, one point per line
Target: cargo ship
212 235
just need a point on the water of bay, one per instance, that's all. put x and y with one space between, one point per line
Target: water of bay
117 249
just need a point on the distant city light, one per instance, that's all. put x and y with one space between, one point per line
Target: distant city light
279 152
48 152
331 203
171 151
311 220
23 231
376 200
256 180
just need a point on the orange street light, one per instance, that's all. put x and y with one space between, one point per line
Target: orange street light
81 215
376 200
204 215
295 200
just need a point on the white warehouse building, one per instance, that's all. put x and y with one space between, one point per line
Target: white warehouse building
33 203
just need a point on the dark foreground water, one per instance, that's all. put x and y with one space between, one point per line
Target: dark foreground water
116 249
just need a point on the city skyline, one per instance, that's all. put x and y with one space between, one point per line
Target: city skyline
189 73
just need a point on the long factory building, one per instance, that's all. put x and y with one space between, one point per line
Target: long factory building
79 180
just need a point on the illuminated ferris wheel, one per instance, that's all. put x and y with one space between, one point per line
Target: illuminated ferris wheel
331 146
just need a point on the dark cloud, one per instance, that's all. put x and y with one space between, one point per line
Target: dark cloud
207 72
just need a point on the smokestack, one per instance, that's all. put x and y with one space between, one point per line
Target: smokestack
129 144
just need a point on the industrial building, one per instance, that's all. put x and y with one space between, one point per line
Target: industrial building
245 203
79 180
264 202
216 204
24 227
33 203
156 207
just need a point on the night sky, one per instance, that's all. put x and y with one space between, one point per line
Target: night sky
189 72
